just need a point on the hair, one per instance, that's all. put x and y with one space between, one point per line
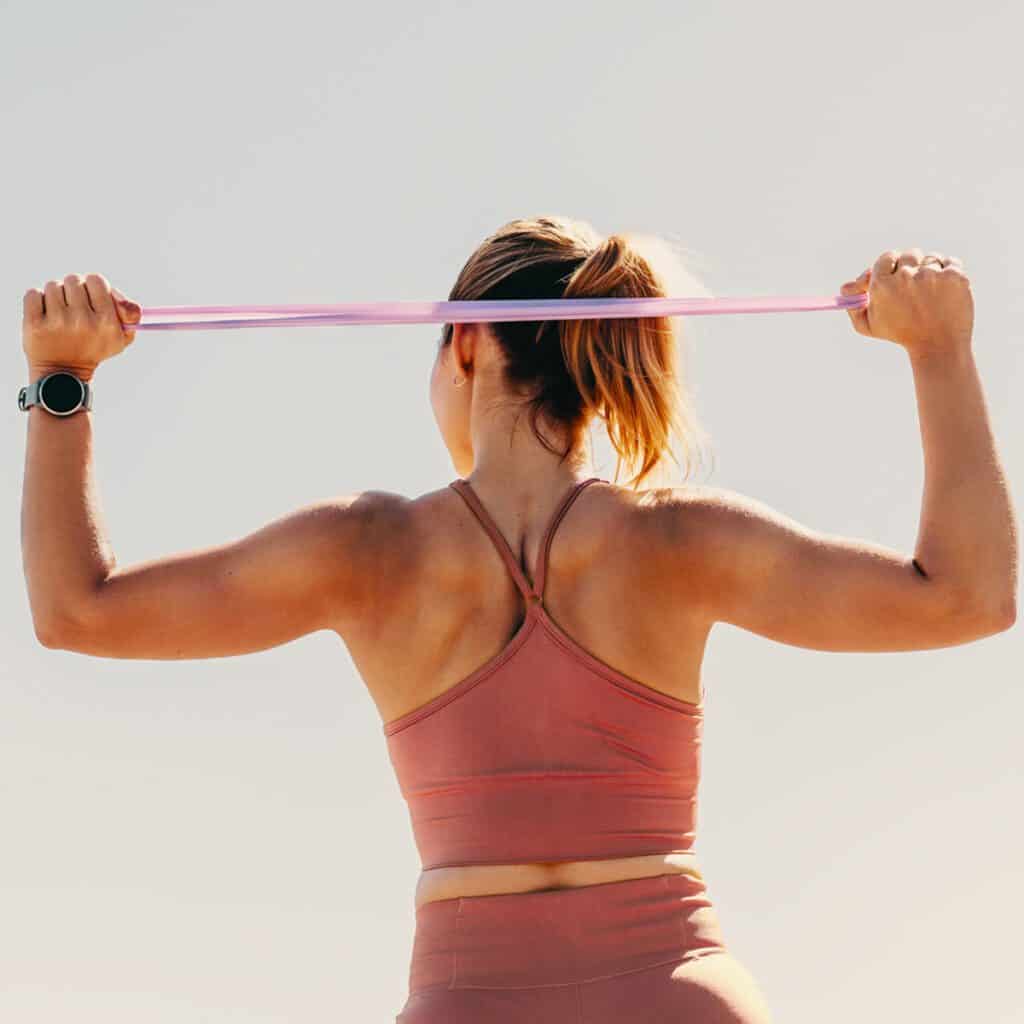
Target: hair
623 371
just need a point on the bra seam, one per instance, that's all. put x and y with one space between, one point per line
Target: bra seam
590 661
580 655
471 681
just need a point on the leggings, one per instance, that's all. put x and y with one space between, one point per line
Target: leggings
645 950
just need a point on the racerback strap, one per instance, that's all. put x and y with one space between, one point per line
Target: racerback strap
533 595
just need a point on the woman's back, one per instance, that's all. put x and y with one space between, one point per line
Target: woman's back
448 604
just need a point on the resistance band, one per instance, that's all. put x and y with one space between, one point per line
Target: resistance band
476 311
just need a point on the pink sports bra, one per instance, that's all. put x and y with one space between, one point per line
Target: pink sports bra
545 752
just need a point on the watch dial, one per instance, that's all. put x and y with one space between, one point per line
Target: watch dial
61 392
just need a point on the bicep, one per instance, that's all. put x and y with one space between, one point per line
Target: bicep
761 570
296 575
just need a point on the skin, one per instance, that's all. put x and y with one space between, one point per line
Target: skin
417 593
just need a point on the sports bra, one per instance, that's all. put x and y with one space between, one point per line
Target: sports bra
545 752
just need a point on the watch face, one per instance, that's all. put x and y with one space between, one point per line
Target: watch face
61 392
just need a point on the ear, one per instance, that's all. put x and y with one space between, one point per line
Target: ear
463 346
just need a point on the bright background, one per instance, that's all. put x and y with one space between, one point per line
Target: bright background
223 841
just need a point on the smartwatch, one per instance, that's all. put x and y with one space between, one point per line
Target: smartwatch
60 393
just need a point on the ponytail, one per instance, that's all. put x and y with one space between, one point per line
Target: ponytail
623 371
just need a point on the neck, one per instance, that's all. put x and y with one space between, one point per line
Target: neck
507 455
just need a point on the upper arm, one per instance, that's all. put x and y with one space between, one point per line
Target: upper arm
756 568
305 571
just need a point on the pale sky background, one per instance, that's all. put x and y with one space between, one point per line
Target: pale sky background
223 841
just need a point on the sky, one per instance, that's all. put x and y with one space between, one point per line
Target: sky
223 841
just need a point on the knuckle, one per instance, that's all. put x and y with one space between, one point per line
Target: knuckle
72 278
97 279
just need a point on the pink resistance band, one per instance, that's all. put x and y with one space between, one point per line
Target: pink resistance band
476 311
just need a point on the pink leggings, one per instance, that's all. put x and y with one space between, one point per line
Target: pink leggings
647 951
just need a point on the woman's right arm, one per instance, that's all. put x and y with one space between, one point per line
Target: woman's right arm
311 569
751 566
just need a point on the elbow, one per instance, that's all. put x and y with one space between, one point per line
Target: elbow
962 617
1007 615
993 617
51 635
57 634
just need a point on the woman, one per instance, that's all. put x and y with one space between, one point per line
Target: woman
532 635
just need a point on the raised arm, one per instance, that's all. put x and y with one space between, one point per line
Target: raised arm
754 567
305 571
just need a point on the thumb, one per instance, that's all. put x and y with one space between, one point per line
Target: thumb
858 285
129 311
858 317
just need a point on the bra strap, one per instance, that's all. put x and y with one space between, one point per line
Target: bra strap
540 573
464 488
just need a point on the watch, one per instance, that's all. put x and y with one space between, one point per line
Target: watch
60 393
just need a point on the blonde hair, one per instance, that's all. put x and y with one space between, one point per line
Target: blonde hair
624 371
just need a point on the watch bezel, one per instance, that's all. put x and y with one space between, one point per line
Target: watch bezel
42 393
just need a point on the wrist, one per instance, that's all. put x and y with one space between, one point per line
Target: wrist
37 370
952 355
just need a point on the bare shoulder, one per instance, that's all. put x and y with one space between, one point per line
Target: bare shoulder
664 519
748 564
401 542
369 525
379 535
727 544
669 531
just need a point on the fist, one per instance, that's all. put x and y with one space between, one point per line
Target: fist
922 302
76 324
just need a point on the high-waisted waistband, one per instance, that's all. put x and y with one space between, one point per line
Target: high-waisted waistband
562 936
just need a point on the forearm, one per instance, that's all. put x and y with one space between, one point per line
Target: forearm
967 539
65 552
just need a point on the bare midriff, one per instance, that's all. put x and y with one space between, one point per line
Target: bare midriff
447 883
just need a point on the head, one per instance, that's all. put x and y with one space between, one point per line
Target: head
539 385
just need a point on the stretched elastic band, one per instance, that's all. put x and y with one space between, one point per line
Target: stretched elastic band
479 311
